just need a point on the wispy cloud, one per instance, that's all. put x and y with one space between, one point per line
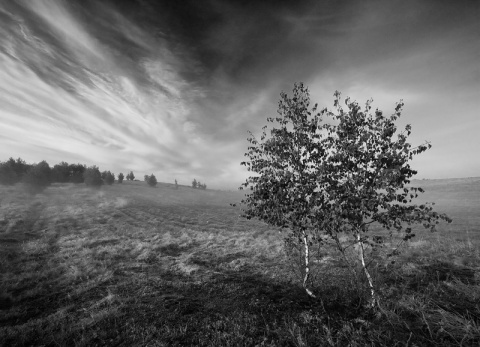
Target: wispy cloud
172 89
108 116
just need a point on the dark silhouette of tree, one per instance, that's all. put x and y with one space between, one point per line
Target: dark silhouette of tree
151 180
109 178
8 176
93 177
38 177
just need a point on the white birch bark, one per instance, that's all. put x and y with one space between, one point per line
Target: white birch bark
367 274
307 266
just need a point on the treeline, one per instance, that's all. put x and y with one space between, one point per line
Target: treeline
38 176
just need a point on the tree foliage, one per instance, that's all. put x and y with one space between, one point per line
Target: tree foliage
64 172
38 177
120 177
7 174
109 178
93 177
323 173
12 171
198 185
130 176
151 180
76 173
61 172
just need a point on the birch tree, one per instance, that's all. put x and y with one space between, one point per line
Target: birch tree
325 174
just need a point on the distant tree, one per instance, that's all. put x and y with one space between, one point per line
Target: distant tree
319 179
145 178
130 176
8 176
176 184
38 177
104 175
93 177
76 172
61 172
120 177
109 178
19 166
151 180
194 183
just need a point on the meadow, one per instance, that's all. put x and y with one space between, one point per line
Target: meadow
132 265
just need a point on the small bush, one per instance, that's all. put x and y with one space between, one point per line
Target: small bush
194 183
120 177
38 177
93 177
151 180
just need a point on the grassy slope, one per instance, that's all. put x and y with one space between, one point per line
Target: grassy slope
133 265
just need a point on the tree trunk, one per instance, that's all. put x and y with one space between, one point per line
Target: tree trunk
367 274
307 266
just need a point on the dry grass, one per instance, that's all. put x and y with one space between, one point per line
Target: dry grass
134 265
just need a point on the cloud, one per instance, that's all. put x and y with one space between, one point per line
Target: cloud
104 116
172 87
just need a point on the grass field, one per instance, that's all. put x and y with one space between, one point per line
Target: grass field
130 265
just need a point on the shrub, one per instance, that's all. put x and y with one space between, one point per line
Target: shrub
92 177
8 175
109 178
344 175
194 183
151 180
120 177
38 177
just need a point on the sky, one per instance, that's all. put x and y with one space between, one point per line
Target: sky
172 87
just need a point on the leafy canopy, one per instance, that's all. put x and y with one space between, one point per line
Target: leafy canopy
320 173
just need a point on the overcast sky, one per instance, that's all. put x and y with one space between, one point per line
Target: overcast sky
171 87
